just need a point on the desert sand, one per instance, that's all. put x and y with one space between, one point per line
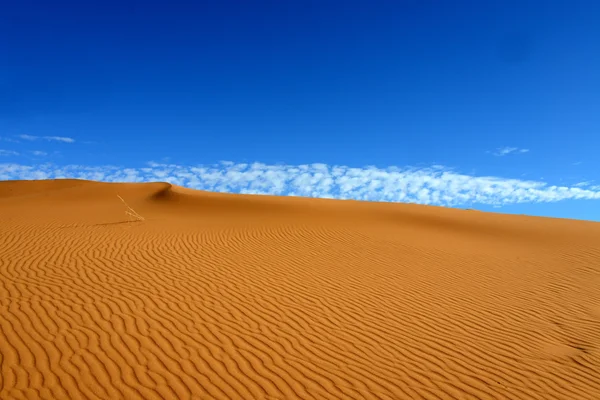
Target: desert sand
219 296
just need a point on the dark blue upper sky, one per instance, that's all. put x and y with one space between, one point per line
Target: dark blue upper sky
354 83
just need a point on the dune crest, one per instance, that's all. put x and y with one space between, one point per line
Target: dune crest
220 296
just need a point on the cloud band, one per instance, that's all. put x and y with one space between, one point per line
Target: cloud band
435 185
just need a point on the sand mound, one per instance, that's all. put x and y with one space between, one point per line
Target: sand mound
218 296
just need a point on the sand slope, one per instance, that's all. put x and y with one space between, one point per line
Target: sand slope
248 297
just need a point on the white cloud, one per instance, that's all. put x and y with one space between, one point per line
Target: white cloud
28 137
503 151
48 138
60 139
39 153
8 153
436 186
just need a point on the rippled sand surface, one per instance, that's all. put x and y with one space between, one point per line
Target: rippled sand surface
217 296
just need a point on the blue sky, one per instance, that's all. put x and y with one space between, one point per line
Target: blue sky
491 105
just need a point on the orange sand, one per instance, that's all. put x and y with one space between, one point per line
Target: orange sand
219 296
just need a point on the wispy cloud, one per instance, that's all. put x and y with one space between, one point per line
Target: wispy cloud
8 153
28 137
48 138
437 186
60 139
39 153
586 184
503 151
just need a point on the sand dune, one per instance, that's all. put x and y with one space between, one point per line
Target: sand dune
219 296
